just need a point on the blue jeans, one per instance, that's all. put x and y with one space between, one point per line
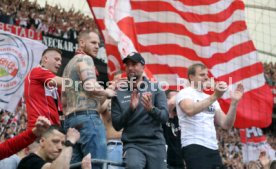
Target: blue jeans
92 136
115 153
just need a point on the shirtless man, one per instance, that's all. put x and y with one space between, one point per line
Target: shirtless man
113 137
82 97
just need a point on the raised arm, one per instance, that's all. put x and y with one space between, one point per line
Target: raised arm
191 108
227 121
24 139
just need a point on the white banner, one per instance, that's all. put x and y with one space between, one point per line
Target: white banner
17 57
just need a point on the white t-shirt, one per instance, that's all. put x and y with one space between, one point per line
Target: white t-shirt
198 129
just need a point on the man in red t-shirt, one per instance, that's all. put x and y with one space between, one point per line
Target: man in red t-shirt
41 89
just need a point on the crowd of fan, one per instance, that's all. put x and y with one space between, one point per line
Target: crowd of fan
230 146
12 124
270 77
49 20
58 22
270 73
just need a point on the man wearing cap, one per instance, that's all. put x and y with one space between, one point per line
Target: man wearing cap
140 109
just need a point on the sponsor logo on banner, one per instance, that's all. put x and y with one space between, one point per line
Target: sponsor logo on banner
14 63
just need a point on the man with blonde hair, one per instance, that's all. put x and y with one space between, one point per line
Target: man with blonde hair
197 112
82 98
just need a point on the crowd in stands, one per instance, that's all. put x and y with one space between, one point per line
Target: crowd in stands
230 146
270 77
270 73
52 20
12 124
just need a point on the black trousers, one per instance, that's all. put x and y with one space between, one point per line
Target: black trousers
146 157
199 157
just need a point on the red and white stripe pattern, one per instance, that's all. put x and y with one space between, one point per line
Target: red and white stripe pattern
173 34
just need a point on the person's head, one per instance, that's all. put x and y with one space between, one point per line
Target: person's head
89 42
134 66
198 75
51 59
51 143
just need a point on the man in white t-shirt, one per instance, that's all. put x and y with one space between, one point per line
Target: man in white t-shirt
197 112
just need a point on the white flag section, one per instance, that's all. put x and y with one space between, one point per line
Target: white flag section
112 16
253 143
17 57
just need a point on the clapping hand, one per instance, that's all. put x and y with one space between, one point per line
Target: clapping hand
238 93
134 100
220 88
147 101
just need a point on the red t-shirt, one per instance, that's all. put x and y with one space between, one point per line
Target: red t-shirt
40 100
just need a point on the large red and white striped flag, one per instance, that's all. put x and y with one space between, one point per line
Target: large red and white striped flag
173 34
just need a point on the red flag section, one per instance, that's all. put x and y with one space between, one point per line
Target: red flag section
171 35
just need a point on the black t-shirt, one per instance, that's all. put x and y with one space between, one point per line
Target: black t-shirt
32 161
172 136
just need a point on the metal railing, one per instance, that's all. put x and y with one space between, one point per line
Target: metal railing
105 163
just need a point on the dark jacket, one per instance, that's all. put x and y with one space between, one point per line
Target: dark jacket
140 126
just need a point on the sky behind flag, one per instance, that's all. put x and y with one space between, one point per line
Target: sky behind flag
174 34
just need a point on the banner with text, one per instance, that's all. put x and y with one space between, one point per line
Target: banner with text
17 57
19 31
